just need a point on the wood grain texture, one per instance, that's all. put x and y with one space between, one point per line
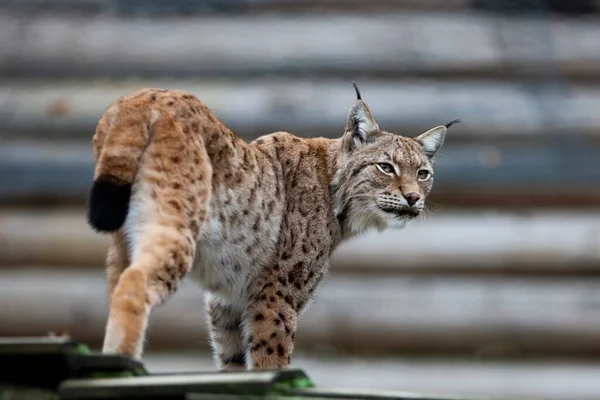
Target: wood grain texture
488 109
476 242
536 172
379 314
385 43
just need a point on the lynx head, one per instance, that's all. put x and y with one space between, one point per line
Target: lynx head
382 179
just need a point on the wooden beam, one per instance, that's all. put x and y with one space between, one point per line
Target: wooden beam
377 314
476 242
489 110
537 172
179 7
343 44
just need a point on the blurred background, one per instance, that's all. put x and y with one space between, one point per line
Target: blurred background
496 293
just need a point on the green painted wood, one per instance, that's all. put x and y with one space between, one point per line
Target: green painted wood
177 386
45 362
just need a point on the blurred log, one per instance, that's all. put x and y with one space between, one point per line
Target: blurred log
489 110
537 173
465 242
370 314
314 43
169 7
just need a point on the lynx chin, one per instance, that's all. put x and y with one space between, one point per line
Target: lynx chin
253 223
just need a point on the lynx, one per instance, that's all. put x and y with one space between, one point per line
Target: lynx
253 223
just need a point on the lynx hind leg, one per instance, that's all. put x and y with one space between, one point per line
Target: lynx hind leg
167 210
270 326
225 330
117 260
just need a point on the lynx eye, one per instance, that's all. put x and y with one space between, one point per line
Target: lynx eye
423 175
385 168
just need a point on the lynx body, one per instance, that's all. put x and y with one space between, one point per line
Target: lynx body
253 223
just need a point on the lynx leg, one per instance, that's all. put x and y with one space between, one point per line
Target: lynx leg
226 335
117 260
149 281
167 210
270 327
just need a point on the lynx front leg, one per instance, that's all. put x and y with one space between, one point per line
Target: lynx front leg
270 327
225 335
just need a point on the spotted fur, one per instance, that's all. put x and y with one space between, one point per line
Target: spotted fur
253 223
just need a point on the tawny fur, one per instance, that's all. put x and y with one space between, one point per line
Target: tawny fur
253 223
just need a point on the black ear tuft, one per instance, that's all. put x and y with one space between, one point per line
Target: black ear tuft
454 121
358 96
108 203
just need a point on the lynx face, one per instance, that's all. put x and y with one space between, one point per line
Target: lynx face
384 178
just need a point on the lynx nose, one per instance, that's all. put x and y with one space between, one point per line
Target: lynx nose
412 198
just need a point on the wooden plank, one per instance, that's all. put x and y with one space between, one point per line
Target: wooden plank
71 109
160 9
340 44
481 242
377 314
529 379
542 173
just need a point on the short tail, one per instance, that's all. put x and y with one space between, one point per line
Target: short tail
119 142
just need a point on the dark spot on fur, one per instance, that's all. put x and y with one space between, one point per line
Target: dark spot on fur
277 321
288 299
279 293
237 359
282 280
175 205
269 350
259 317
280 350
281 316
287 330
273 335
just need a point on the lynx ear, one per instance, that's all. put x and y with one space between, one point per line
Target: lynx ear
360 124
432 140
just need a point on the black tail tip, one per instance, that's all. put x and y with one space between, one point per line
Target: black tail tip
108 203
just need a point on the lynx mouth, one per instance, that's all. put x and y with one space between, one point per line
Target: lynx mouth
405 212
